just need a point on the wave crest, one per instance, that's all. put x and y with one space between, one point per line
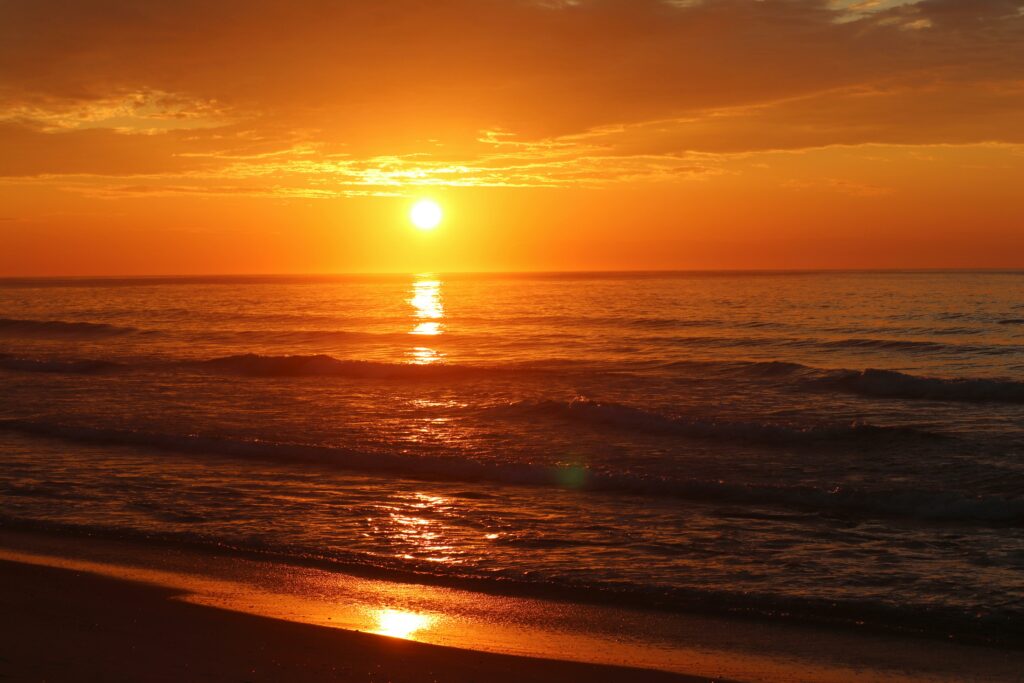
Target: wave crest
619 416
321 365
11 327
893 384
922 504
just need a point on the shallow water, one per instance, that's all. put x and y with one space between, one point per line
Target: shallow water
822 446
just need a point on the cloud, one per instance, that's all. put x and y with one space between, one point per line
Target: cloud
145 112
332 98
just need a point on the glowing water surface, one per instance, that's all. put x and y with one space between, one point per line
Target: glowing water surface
837 446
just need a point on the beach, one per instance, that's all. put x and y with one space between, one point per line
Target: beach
95 609
60 625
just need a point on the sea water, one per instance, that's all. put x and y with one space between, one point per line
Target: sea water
825 447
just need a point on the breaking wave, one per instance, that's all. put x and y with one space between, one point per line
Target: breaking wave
892 384
874 383
921 504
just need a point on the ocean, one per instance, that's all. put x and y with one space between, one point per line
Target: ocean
823 447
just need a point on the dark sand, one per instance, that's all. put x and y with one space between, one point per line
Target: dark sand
61 625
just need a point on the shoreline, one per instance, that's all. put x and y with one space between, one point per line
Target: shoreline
841 619
66 625
464 624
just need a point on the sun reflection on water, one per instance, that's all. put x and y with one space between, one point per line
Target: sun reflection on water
421 355
414 527
428 313
427 329
399 623
427 307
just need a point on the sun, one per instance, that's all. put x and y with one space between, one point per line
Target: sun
425 214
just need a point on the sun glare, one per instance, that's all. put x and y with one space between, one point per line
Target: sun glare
400 624
426 214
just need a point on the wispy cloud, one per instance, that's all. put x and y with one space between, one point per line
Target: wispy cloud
304 101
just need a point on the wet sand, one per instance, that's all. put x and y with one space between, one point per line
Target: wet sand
87 608
61 625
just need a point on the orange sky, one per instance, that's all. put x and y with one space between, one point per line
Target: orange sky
193 136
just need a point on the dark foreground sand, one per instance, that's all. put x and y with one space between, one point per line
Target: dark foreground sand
60 625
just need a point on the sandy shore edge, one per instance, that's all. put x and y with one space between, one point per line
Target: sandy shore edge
62 625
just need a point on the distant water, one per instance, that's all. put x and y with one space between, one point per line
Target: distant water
841 447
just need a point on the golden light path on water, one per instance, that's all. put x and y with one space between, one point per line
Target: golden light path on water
428 314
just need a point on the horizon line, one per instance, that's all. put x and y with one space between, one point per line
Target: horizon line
586 271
